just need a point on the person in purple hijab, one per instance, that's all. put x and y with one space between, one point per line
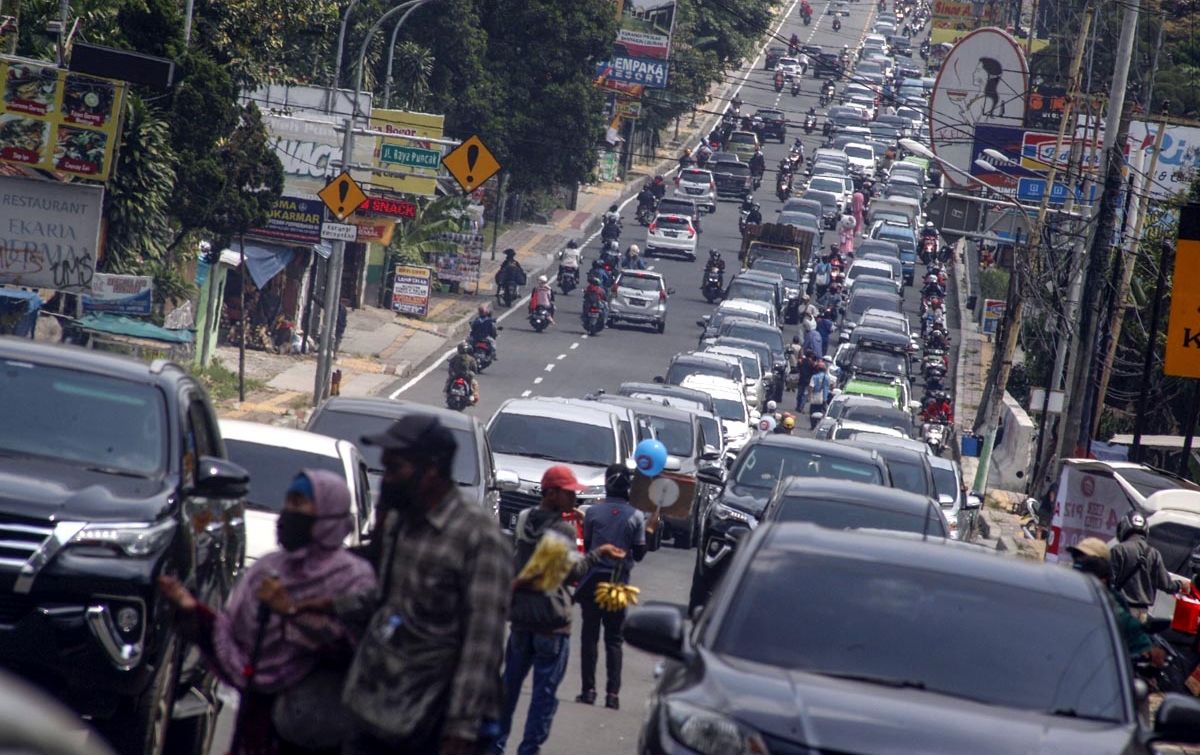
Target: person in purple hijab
312 563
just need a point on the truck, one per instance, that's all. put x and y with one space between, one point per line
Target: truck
778 241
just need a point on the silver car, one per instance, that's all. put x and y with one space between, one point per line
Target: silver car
699 186
640 297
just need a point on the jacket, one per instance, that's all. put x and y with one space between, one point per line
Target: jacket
1138 571
483 327
544 613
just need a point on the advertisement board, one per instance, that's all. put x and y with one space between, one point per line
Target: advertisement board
373 230
993 313
464 266
644 28
1086 505
408 155
49 234
1183 329
983 80
294 219
307 146
52 119
120 294
1177 161
411 289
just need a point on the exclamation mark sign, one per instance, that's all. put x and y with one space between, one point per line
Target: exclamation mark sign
343 190
472 156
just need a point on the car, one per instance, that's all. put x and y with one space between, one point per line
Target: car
834 185
732 178
789 66
679 206
752 368
743 144
811 50
772 279
682 398
830 204
863 410
685 364
846 429
741 288
746 489
115 472
869 336
697 185
752 386
786 664
529 435
862 159
838 8
773 56
874 363
803 221
759 311
903 236
872 269
729 397
893 263
717 157
826 65
851 505
273 456
674 234
903 189
909 468
793 283
474 468
754 330
639 297
774 123
963 513
761 350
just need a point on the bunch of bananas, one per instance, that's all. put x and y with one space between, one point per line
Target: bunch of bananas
616 596
550 562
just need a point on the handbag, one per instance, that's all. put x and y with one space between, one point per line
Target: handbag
310 713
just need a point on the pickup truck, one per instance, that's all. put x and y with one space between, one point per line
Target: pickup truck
115 473
787 243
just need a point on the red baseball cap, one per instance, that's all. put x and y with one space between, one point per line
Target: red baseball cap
560 476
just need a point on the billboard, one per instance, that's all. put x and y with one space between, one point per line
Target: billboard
1178 160
49 234
52 119
294 219
951 20
984 80
308 146
1087 505
405 154
643 46
120 294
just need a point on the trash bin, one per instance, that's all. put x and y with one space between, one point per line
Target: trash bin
972 445
971 301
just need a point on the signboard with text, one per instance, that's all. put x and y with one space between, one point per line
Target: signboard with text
120 294
1183 329
49 234
462 267
993 313
414 156
411 290
395 208
294 219
645 28
52 119
1086 505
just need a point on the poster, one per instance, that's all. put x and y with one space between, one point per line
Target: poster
410 292
55 120
993 313
294 219
120 294
1086 505
49 234
464 266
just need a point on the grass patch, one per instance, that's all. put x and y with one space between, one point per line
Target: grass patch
300 402
221 382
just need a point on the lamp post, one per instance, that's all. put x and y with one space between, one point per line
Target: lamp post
337 61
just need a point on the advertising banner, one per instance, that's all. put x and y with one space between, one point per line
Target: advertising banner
983 81
645 28
1183 329
1178 160
52 119
120 294
307 146
373 230
49 234
464 266
1086 505
408 155
993 313
410 292
1009 142
294 219
1044 108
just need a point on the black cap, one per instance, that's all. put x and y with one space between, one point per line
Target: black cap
416 432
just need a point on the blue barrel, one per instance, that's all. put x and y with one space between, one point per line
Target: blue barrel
972 445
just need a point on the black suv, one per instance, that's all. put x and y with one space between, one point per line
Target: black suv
732 178
762 463
774 124
114 473
827 64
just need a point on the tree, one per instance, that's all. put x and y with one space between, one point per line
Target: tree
417 238
138 201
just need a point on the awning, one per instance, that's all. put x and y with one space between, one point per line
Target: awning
32 300
265 261
102 322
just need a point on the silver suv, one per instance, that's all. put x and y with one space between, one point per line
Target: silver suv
640 297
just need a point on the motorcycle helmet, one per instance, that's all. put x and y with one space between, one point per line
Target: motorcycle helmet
612 208
659 177
713 254
510 253
485 310
929 225
543 279
464 347
572 245
771 407
1133 523
789 422
634 250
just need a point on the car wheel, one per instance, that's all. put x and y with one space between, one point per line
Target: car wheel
682 539
701 590
691 257
139 727
661 326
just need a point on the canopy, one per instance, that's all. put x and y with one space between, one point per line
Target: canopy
102 322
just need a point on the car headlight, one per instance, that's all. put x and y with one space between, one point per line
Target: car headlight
595 491
134 539
711 733
725 511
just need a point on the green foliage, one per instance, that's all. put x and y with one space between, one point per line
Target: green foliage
256 41
220 381
253 178
1018 384
137 203
993 283
152 27
416 238
412 65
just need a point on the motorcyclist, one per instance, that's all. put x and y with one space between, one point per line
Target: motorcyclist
715 260
686 160
646 199
659 187
828 90
542 296
754 214
794 43
462 365
778 80
703 152
758 164
937 339
929 232
1137 566
599 273
938 409
483 330
594 295
632 259
1092 556
786 425
510 271
569 257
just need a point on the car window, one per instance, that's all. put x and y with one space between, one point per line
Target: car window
740 170
743 290
675 434
846 515
672 223
741 137
764 465
881 415
878 361
272 469
945 483
751 333
639 282
350 426
936 622
669 206
552 439
910 476
789 273
750 364
730 409
695 176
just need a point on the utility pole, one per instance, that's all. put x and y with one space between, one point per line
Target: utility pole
333 288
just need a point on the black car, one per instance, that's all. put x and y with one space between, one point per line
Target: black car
732 178
115 473
827 65
793 284
763 462
773 56
683 365
822 641
774 124
847 505
909 468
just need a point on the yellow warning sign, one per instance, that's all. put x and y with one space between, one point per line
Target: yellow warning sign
1183 329
342 196
471 164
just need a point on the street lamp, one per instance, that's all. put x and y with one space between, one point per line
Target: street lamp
337 61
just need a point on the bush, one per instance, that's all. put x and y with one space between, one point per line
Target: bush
993 283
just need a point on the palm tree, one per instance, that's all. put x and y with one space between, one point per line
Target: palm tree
416 239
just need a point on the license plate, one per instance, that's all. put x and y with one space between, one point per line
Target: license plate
694 191
510 521
638 302
671 234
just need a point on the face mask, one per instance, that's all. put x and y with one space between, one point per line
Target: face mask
294 530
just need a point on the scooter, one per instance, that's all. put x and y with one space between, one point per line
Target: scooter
539 318
779 83
825 99
458 395
712 287
508 294
645 216
568 279
810 123
807 17
837 23
611 231
482 351
593 319
935 435
795 86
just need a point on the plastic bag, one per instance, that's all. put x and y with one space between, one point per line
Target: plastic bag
551 562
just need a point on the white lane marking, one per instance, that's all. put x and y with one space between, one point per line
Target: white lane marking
575 345
538 380
526 394
561 356
550 367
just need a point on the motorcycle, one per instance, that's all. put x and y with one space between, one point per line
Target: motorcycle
807 18
508 294
713 286
783 187
826 98
458 395
568 279
645 215
810 123
795 86
593 319
779 83
935 435
837 23
482 351
539 318
611 231
929 251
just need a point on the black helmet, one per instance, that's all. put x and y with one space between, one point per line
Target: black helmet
510 253
1134 523
714 253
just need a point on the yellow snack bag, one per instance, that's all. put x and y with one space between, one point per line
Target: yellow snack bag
551 562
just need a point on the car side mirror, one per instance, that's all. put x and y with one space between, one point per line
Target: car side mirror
657 628
674 464
221 478
506 480
670 292
711 475
710 453
1177 719
738 533
973 501
659 379
945 500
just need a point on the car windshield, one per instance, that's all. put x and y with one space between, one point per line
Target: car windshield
868 270
553 439
860 304
790 273
827 184
680 370
272 469
750 366
764 465
741 137
744 290
671 223
827 200
772 338
946 483
741 170
639 282
94 421
677 207
730 409
695 176
936 623
859 151
908 475
883 416
884 362
352 427
675 434
849 515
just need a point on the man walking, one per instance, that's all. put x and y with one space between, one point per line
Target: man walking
1138 571
541 622
611 521
426 676
818 393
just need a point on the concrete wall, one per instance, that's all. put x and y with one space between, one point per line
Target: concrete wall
1012 456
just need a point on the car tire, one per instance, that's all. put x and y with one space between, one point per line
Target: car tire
661 327
691 257
139 727
682 539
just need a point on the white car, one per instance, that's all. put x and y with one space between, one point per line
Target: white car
872 268
862 158
751 367
729 398
790 67
699 186
834 185
274 456
674 234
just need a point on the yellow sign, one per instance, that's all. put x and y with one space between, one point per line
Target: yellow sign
373 230
342 196
55 120
471 164
403 123
1183 330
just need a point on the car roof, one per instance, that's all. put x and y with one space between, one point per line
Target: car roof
859 428
726 387
92 361
639 274
280 437
909 444
663 389
871 264
852 491
645 406
396 409
733 306
812 445
539 406
696 173
745 343
763 275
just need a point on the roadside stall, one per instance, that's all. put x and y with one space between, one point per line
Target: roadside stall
137 338
19 312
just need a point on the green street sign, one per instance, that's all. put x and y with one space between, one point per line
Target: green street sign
411 157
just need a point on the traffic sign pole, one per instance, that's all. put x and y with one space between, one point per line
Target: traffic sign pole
333 292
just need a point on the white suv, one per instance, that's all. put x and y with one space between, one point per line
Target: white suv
729 398
699 186
672 233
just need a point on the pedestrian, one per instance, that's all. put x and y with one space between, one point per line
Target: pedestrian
857 202
266 660
812 340
613 521
426 677
540 633
825 328
804 372
819 388
1138 569
1092 556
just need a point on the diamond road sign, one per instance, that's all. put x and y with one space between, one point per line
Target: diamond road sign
410 157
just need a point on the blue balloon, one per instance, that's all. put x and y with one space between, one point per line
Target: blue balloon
651 456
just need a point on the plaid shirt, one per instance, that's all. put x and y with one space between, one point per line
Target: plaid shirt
451 583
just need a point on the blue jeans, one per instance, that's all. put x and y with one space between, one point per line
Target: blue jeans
547 654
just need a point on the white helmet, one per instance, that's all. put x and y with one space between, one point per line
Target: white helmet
771 406
543 279
634 250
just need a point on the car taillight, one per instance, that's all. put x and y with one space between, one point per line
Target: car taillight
653 226
662 295
691 232
677 180
712 186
